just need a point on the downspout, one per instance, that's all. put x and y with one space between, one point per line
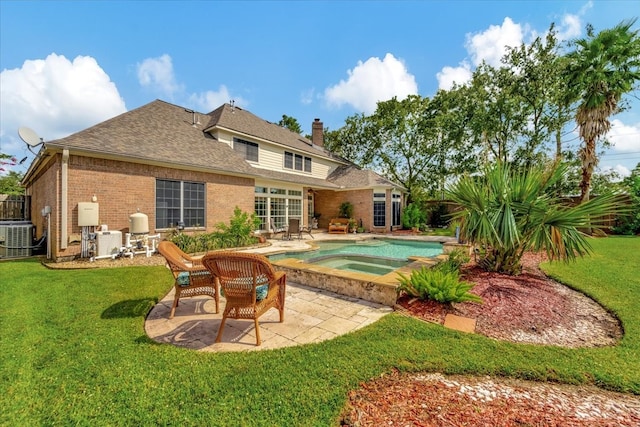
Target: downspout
64 202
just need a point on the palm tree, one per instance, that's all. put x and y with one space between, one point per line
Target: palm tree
602 68
505 213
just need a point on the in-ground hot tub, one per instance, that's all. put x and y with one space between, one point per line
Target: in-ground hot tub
366 275
378 266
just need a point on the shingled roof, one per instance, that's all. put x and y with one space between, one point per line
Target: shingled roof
157 132
352 177
164 133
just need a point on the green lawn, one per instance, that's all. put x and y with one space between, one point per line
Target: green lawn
74 352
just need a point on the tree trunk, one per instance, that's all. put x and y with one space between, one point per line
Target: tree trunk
588 157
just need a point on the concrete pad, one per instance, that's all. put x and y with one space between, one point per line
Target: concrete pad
459 323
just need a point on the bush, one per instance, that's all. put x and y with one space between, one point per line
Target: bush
441 282
438 285
238 233
345 210
413 216
456 258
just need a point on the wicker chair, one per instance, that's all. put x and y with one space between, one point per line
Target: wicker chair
275 230
191 277
249 284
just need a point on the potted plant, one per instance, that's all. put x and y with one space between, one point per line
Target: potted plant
345 210
353 224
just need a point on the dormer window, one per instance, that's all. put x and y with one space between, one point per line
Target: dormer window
297 162
246 148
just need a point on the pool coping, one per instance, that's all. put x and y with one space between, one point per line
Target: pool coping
369 287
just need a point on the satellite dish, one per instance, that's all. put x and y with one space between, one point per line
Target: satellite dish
30 138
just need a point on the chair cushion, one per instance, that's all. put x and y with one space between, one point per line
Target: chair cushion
261 292
183 278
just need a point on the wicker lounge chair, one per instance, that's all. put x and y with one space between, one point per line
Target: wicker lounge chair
275 230
249 284
191 277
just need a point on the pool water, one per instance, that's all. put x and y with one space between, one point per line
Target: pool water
359 263
373 256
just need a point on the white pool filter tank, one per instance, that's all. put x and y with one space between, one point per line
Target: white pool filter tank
138 223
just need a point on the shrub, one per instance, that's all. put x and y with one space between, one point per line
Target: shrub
456 258
345 210
238 233
438 285
441 282
413 216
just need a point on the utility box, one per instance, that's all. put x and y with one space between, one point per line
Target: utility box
108 243
88 214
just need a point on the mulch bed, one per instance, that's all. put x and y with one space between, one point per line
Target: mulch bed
527 308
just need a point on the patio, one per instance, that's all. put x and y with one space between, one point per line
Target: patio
311 314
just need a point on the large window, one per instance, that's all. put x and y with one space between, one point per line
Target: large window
178 201
297 162
379 210
247 148
277 206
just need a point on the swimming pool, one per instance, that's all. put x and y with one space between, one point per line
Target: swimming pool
371 256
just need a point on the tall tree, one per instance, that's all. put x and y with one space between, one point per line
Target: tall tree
539 87
290 123
399 140
602 68
10 183
518 107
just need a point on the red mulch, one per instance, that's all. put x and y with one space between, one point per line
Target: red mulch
529 304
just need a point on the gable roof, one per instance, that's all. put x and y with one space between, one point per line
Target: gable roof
243 121
165 134
156 132
352 177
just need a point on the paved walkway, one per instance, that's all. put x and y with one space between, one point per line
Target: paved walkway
311 315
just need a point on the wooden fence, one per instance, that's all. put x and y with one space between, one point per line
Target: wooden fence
14 208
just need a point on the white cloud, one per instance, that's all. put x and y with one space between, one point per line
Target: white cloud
570 27
491 44
372 81
55 97
625 138
157 74
210 100
307 96
616 173
450 75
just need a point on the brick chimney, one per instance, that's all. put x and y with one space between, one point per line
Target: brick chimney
317 133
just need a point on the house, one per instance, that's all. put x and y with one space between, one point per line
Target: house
179 166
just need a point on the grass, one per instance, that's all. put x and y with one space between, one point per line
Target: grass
74 352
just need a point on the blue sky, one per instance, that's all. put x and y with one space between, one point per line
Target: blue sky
68 65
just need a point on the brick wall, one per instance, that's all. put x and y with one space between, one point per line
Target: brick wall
45 192
123 188
328 204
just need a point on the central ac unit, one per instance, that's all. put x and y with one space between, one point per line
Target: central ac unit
16 240
108 243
